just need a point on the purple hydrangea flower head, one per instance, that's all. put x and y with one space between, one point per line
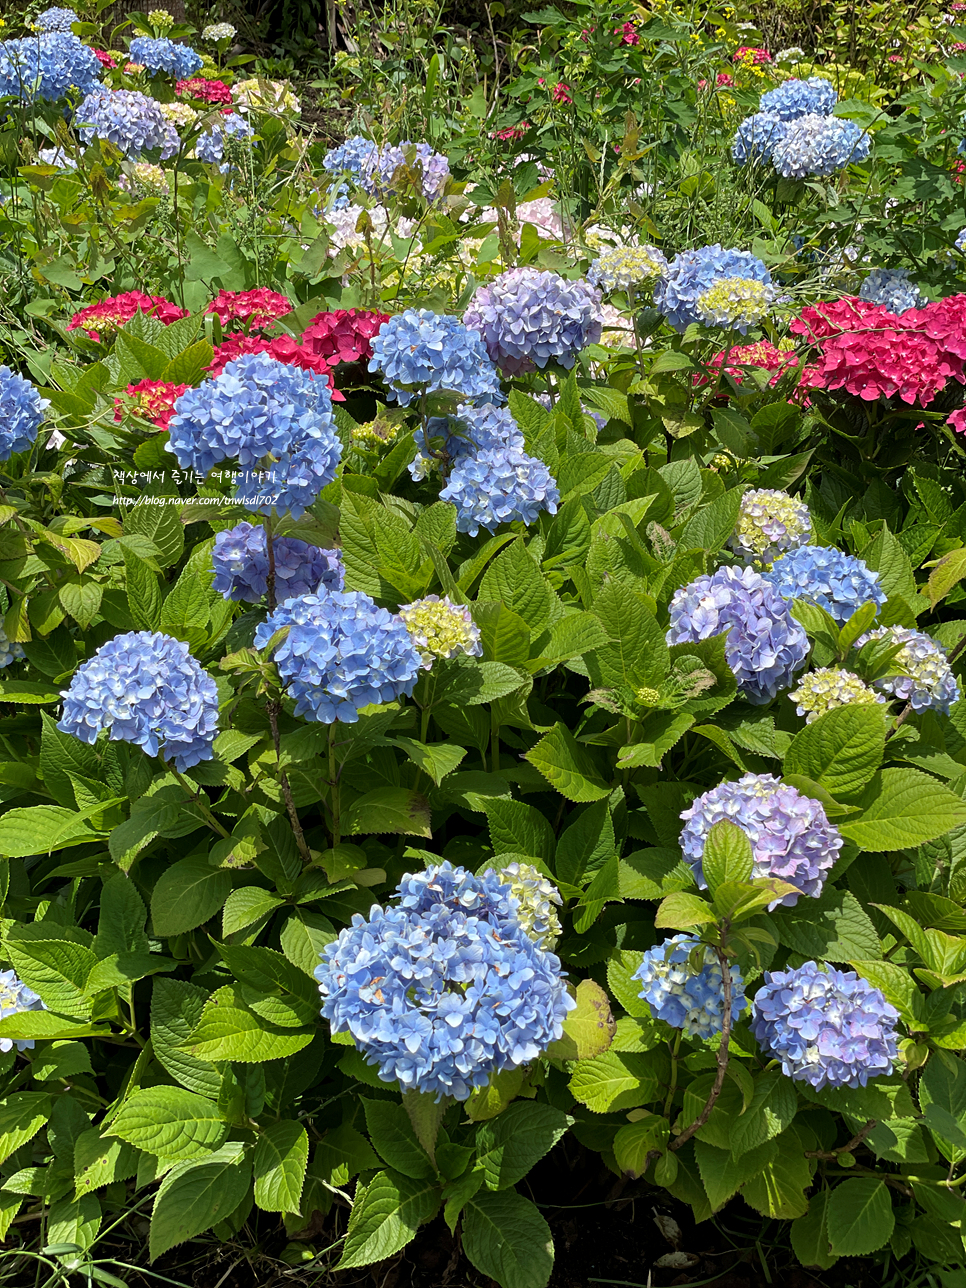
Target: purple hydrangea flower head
342 652
471 430
349 157
9 651
379 166
147 689
55 20
791 837
47 67
688 999
928 682
891 288
16 997
211 144
528 318
419 350
819 145
769 524
796 98
270 417
757 136
440 628
445 989
240 561
159 54
764 647
128 119
499 485
828 1028
691 274
837 582
21 413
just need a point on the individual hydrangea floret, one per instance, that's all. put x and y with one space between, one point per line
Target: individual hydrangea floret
420 351
689 275
736 303
820 146
145 688
528 318
891 288
212 143
829 687
47 67
240 563
55 20
829 1028
16 997
791 837
471 430
625 267
9 651
21 413
764 645
757 136
796 98
440 628
770 523
342 652
928 683
821 575
445 990
219 31
130 120
688 999
159 54
536 897
499 485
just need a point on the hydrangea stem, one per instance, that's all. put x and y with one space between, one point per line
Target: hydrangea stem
722 1057
293 815
270 551
334 803
196 797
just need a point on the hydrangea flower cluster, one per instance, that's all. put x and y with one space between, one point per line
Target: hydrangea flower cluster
254 309
104 318
791 837
762 354
161 19
757 136
159 54
891 288
349 157
445 989
16 997
819 145
829 687
528 318
736 303
55 20
261 412
21 413
211 145
282 348
472 430
418 350
770 523
536 897
343 335
960 242
181 115
796 98
689 275
105 59
130 120
219 31
145 688
440 628
206 91
625 267
57 156
342 652
928 683
821 575
499 485
828 1028
764 646
47 67
684 998
260 95
240 563
9 651
380 165
152 399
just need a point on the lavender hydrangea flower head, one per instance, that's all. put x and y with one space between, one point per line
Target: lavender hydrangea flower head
764 646
144 688
756 137
769 524
211 144
445 989
379 167
16 997
349 157
694 272
159 54
21 413
499 485
829 687
342 652
891 288
819 145
835 581
791 837
9 651
796 98
128 119
928 682
419 350
240 562
685 998
471 430
528 318
828 1028
269 416
536 899
440 628
47 67
55 20
626 267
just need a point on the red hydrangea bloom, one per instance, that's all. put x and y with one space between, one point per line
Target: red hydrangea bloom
256 309
283 348
758 56
104 58
102 319
152 399
343 335
206 91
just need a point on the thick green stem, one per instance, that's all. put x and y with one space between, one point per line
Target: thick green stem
494 740
334 803
197 798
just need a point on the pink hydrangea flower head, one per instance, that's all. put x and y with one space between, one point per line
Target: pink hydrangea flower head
254 309
100 320
150 399
206 91
343 335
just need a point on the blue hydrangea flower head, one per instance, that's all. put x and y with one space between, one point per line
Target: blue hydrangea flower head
269 416
55 20
829 687
928 682
625 267
891 288
770 523
349 157
419 350
837 582
211 144
342 652
828 1028
499 485
446 989
47 67
130 120
692 1000
144 688
757 136
528 318
764 645
471 430
379 166
240 562
16 997
159 54
21 413
791 837
9 651
819 145
440 628
689 275
796 98
536 898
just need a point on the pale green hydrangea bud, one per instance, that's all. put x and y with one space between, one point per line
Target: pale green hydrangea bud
374 433
770 523
161 19
736 302
537 896
827 688
440 628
